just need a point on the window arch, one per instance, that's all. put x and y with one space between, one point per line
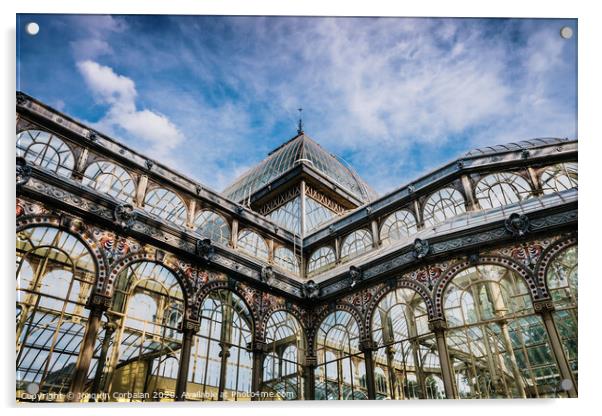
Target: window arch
562 281
286 259
252 243
406 352
109 178
220 363
55 276
397 226
166 205
285 342
341 371
45 150
149 301
559 178
212 226
444 204
499 189
320 259
498 345
356 243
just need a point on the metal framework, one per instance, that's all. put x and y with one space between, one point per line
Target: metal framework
135 283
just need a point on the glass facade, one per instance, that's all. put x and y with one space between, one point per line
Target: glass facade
347 311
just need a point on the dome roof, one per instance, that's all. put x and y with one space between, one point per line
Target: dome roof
300 149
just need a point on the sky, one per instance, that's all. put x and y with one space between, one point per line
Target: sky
210 96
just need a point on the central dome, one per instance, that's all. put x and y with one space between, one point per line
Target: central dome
299 150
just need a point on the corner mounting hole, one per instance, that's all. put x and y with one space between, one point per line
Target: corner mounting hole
32 28
566 32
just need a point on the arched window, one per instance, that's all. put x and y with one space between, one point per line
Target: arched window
443 205
435 389
320 259
340 374
220 363
149 302
398 226
111 179
498 345
45 150
562 284
356 243
55 276
213 226
499 189
283 372
406 352
286 259
253 243
559 178
166 205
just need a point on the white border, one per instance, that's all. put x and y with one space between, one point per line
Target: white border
590 114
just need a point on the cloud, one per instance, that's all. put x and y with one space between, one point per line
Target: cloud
119 93
96 29
395 98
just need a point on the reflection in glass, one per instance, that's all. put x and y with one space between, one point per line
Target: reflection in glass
111 179
45 150
220 364
252 243
499 189
341 371
282 370
407 358
498 345
166 205
321 259
356 243
559 178
562 285
55 274
444 204
397 226
213 226
145 355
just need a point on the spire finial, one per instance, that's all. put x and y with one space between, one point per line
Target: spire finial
300 127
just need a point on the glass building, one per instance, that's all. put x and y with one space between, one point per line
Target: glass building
297 282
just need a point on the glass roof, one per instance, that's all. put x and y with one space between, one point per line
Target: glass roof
524 144
300 149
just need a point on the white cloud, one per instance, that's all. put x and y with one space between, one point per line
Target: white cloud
119 93
392 95
95 30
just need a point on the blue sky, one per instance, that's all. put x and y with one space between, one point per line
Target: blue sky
210 96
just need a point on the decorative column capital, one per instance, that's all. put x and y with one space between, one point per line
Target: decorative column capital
544 305
225 350
98 302
257 346
311 361
110 327
367 344
188 326
438 326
